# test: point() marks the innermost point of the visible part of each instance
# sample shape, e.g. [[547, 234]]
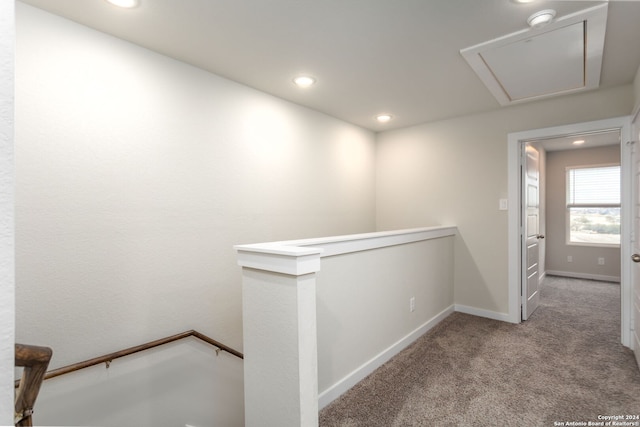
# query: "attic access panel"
[[545, 64], [563, 57]]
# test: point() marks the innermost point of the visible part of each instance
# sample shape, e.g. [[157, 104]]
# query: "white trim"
[[298, 257], [339, 245], [292, 263], [514, 140], [480, 312], [513, 226], [593, 245], [357, 375], [361, 242], [626, 226], [587, 276]]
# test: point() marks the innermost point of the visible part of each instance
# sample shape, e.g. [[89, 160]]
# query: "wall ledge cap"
[[298, 257]]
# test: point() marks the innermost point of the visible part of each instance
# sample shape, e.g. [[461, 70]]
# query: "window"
[[593, 205]]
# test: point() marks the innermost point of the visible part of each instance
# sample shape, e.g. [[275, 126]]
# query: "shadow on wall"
[[180, 383], [471, 288]]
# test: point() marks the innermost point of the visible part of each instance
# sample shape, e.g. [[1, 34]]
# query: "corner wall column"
[[7, 210], [280, 338]]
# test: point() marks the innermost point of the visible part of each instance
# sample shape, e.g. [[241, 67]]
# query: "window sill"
[[595, 245]]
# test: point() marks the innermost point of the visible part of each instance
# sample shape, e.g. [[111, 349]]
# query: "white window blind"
[[593, 186]]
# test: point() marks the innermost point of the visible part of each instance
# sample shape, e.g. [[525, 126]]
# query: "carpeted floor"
[[563, 365]]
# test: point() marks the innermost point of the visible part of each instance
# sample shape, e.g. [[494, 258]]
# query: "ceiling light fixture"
[[128, 4], [304, 81], [578, 142], [384, 118], [542, 18], [523, 1]]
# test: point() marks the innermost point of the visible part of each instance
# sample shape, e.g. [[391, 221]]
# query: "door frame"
[[515, 141], [635, 191]]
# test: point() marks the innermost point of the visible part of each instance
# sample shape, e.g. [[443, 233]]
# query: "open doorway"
[[583, 205], [517, 201], [572, 218]]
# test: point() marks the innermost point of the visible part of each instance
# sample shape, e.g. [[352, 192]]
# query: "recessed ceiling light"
[[541, 18], [578, 142], [124, 3], [384, 118], [304, 81], [522, 1]]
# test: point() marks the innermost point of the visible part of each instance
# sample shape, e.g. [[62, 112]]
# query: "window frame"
[[568, 206]]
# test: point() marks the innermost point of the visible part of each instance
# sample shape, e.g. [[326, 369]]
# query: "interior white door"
[[531, 233], [635, 237]]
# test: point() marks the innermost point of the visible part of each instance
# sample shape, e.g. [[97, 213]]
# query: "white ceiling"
[[591, 140], [369, 56]]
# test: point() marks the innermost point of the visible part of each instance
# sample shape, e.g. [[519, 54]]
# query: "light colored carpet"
[[563, 365]]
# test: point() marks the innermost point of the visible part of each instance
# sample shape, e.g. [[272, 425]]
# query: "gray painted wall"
[[455, 171]]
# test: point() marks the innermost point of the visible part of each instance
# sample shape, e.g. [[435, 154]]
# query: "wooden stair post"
[[35, 361]]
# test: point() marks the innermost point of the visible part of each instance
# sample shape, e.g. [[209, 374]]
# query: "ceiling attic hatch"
[[562, 57]]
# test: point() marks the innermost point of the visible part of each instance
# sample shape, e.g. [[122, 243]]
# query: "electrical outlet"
[[569, 258], [600, 261], [412, 304]]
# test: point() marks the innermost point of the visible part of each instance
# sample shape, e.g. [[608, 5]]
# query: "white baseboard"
[[504, 317], [583, 276], [333, 392]]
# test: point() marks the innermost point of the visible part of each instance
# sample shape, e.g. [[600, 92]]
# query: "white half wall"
[[374, 294], [7, 277], [364, 307], [136, 175]]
